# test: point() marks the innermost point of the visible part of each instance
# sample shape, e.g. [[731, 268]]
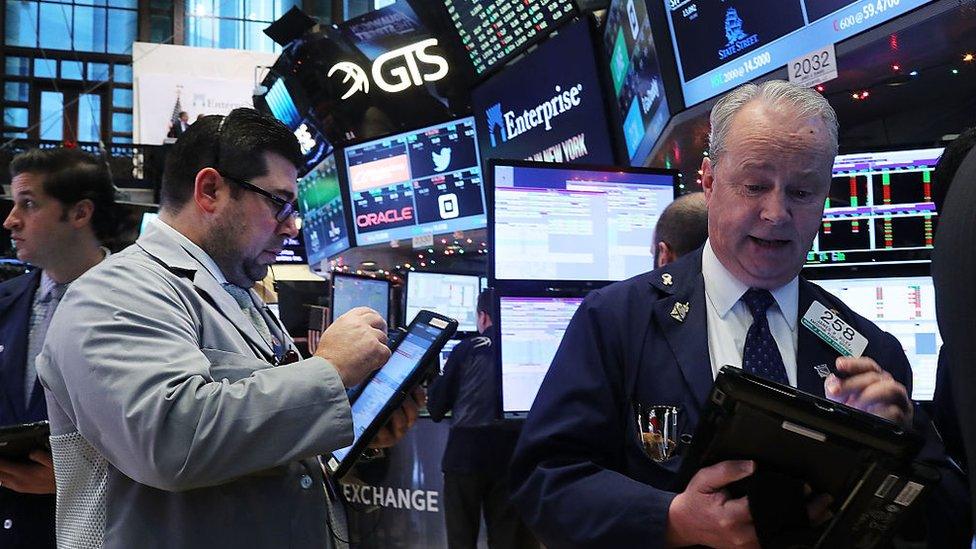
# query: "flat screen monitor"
[[292, 252], [562, 223], [426, 181], [879, 210], [530, 330], [905, 308], [721, 44], [324, 225], [452, 295], [641, 106], [548, 106], [351, 291], [495, 31], [446, 352], [283, 106]]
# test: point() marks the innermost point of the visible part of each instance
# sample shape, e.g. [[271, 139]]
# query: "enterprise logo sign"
[[405, 75], [509, 125], [737, 39]]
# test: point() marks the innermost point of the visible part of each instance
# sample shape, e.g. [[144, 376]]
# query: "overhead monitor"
[[292, 252], [282, 104], [530, 330], [325, 227], [641, 106], [547, 106], [722, 44], [426, 181], [879, 210], [905, 308], [452, 295], [562, 223], [494, 31], [350, 291]]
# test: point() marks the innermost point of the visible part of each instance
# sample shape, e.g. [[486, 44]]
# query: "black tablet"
[[864, 462], [383, 393], [16, 441]]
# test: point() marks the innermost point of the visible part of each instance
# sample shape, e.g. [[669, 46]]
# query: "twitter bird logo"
[[441, 159]]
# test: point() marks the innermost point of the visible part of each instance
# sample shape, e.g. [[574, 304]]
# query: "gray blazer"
[[170, 428]]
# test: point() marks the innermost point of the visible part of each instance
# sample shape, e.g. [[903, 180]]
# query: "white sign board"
[[813, 68]]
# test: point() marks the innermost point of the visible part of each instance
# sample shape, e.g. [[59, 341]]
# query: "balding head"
[[682, 228]]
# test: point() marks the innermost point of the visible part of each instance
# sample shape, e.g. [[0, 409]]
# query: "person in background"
[[580, 474], [953, 272], [181, 414], [480, 444], [179, 127], [682, 228], [63, 208]]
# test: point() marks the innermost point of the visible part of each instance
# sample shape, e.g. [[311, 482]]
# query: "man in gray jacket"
[[175, 420]]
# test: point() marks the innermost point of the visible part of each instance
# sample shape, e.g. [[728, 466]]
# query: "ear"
[[80, 214], [209, 189], [707, 178], [664, 254]]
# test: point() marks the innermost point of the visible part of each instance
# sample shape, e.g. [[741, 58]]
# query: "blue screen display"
[[548, 106], [427, 181], [282, 105], [720, 44], [636, 74], [324, 225]]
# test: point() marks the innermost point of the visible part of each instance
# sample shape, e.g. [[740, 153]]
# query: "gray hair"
[[803, 102]]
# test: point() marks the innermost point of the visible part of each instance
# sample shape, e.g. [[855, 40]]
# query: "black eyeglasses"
[[286, 209]]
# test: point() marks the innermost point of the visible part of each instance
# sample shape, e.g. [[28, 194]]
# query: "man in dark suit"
[[179, 127], [580, 474], [63, 207]]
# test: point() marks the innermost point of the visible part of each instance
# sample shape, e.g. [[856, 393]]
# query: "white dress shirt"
[[729, 318]]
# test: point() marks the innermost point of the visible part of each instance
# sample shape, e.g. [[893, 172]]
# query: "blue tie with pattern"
[[760, 355]]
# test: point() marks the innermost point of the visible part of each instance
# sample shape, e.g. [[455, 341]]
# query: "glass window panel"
[[89, 117], [200, 32], [121, 98], [199, 8], [281, 6], [55, 26], [52, 115], [121, 122], [20, 28], [230, 8], [124, 3], [89, 29], [230, 32], [15, 116], [261, 10], [71, 70], [16, 91], [16, 135], [123, 73], [45, 68], [121, 139], [161, 29], [121, 30], [91, 2], [98, 72], [17, 66], [256, 40]]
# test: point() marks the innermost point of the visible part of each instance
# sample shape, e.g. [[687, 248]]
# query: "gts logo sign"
[[404, 66]]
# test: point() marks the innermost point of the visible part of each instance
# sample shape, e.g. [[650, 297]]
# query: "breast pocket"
[[232, 366]]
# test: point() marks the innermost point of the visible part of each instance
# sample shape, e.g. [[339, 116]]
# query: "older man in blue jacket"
[[580, 475]]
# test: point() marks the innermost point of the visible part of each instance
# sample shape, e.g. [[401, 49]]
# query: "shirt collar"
[[195, 251], [724, 290]]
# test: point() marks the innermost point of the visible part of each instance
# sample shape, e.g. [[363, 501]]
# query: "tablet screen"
[[383, 386]]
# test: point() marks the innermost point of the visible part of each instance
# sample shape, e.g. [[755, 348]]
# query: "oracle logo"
[[373, 219]]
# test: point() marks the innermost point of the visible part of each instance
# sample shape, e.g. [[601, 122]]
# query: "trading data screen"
[[494, 31], [575, 224], [454, 296], [879, 210], [720, 44], [324, 225], [641, 105], [904, 307], [426, 181], [349, 292], [531, 329], [446, 352]]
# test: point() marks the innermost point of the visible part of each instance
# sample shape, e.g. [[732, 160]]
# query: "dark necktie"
[[760, 355]]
